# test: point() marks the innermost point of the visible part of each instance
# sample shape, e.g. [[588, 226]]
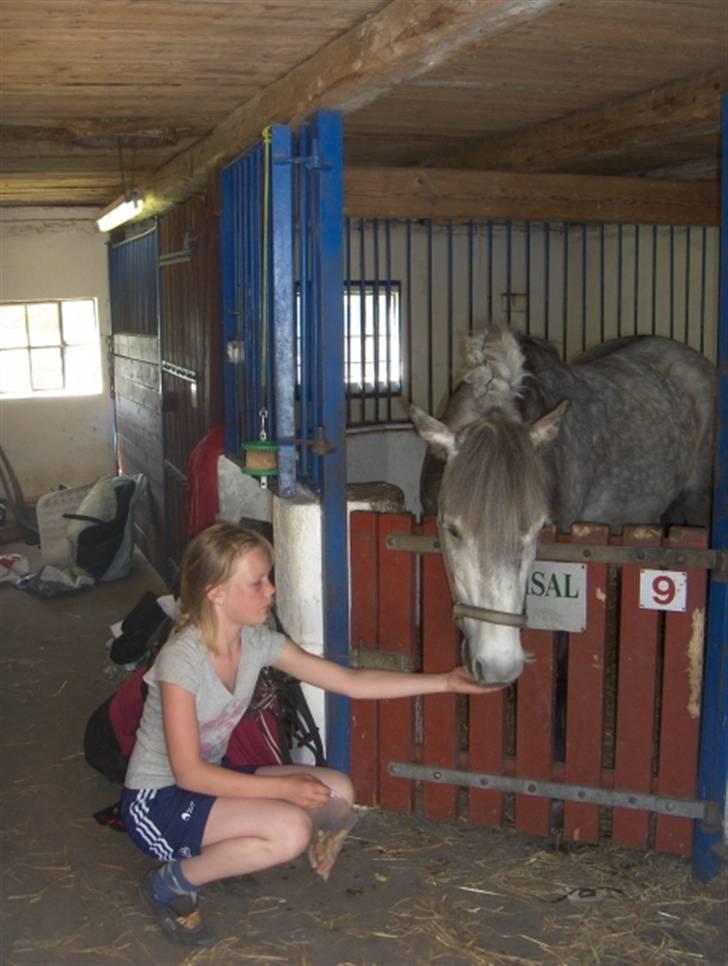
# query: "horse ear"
[[546, 429], [436, 434]]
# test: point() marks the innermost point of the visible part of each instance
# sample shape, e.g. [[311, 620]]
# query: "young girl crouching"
[[204, 821]]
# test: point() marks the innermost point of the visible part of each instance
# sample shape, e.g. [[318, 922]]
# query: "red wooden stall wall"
[[650, 744]]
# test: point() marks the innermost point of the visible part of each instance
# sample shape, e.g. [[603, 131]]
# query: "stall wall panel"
[[650, 658], [191, 352], [575, 285]]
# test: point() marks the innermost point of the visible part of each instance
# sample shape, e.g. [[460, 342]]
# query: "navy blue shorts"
[[168, 823]]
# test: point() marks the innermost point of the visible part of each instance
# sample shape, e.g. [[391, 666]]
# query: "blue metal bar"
[[509, 270], [347, 331], [687, 284], [363, 317], [703, 272], [546, 275], [375, 317], [654, 279], [713, 762], [565, 293], [315, 329], [388, 304], [672, 282], [450, 323], [528, 277], [284, 304], [408, 290], [602, 291], [471, 258], [328, 136], [636, 277], [620, 262], [304, 317], [490, 271], [430, 360], [583, 284]]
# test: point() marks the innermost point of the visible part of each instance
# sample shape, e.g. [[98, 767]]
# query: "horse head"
[[493, 499]]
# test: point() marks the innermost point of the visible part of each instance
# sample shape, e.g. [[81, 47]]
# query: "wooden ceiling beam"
[[462, 195], [674, 112], [405, 39]]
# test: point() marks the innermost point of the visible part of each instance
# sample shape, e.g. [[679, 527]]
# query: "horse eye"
[[452, 530]]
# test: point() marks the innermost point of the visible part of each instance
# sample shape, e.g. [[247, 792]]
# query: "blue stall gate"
[[282, 277]]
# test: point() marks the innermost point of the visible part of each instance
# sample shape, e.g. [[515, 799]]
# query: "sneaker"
[[180, 919]]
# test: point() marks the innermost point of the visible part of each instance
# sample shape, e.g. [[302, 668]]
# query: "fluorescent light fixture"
[[120, 211]]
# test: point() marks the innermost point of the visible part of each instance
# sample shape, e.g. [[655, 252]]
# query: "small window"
[[49, 348], [372, 341], [372, 359]]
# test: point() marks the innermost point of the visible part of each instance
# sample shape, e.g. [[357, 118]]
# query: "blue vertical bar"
[[304, 314], [388, 303], [430, 359], [509, 270], [713, 762], [227, 254], [450, 319], [328, 135], [565, 294], [528, 278], [347, 330], [284, 305]]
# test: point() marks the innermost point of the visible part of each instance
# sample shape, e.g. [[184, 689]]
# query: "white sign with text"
[[556, 596], [663, 590]]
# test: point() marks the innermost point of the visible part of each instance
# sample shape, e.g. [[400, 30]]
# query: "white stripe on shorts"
[[145, 827]]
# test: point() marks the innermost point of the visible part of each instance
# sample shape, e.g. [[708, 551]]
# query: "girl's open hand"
[[459, 681], [306, 791]]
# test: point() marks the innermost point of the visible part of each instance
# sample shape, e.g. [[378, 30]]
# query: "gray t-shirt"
[[184, 660]]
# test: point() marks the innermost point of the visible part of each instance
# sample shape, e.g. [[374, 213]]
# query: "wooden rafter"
[[689, 107], [404, 40], [462, 195]]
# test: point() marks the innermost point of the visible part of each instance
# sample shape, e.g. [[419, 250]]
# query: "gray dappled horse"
[[622, 435]]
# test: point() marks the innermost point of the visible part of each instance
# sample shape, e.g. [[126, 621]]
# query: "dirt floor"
[[403, 891]]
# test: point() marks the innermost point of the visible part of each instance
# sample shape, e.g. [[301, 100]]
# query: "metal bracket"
[[709, 812]]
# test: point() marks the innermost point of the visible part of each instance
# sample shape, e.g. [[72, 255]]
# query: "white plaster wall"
[[391, 454], [56, 253]]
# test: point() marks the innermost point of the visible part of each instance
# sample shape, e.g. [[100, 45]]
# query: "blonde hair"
[[208, 562]]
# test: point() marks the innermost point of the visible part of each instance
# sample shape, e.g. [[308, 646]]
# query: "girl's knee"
[[342, 785], [292, 834]]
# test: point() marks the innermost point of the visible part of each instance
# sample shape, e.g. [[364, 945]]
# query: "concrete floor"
[[404, 891]]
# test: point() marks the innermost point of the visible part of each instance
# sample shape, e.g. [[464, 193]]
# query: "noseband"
[[488, 616], [509, 618]]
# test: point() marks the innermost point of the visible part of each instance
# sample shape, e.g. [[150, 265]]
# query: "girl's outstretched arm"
[[365, 683]]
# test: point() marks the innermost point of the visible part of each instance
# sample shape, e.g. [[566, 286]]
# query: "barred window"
[[49, 348]]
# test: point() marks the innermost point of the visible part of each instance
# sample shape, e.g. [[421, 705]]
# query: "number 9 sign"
[[663, 589]]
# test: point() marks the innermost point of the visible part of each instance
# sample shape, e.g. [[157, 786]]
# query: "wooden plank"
[[636, 695], [486, 753], [363, 544], [401, 42], [396, 632], [535, 724], [440, 639], [142, 347], [585, 694], [690, 105], [681, 699], [463, 195]]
